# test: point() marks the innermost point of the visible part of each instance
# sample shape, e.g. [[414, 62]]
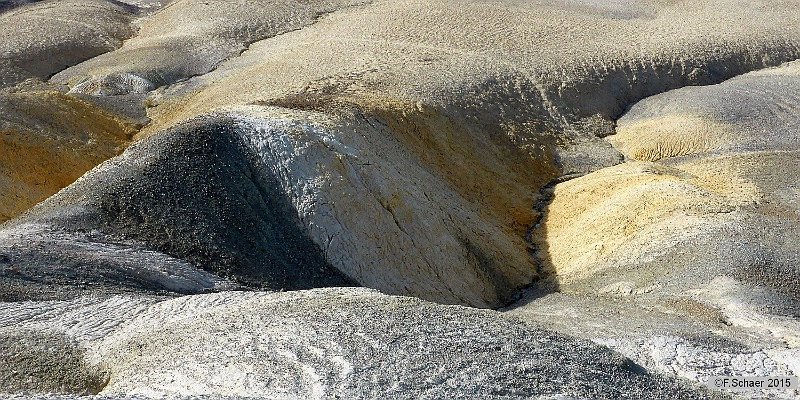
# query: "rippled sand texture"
[[619, 171]]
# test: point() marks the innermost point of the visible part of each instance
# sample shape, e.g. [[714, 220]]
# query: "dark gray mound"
[[190, 196], [6, 5], [35, 362]]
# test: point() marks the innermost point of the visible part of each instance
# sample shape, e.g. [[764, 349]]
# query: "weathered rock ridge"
[[620, 171], [705, 236], [446, 140]]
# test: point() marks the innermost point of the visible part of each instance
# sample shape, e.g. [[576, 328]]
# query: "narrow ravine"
[[678, 246]]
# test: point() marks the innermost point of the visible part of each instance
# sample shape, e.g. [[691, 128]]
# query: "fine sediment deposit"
[[705, 236], [323, 343], [232, 198]]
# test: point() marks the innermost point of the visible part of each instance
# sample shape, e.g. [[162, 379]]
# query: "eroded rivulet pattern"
[[324, 343], [454, 151]]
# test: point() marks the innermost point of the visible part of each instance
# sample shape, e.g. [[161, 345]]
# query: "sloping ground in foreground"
[[324, 343], [705, 237]]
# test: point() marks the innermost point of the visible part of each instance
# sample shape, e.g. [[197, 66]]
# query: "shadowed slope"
[[190, 195]]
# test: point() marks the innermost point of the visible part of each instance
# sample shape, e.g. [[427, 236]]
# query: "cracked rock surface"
[[326, 343], [301, 198], [699, 226]]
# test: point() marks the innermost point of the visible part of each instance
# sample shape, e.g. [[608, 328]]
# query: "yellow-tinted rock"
[[49, 139], [670, 136], [500, 176], [618, 214]]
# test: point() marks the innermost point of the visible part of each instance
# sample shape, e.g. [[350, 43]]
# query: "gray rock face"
[[455, 151], [41, 262], [6, 5], [254, 199], [46, 37], [190, 197], [333, 343]]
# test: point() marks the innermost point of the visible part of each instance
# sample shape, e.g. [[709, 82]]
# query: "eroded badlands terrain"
[[398, 199]]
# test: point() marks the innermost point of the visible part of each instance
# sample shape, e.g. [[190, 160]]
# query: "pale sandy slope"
[[190, 37], [412, 138], [41, 39], [402, 146], [707, 237]]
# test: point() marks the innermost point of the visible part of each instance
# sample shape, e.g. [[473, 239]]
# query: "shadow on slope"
[[190, 194]]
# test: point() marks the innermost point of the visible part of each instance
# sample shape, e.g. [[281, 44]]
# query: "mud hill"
[[202, 179]]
